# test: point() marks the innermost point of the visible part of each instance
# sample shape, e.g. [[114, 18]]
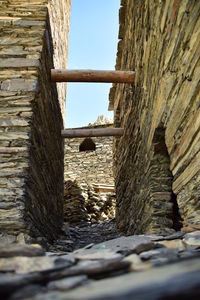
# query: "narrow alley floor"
[[103, 265], [81, 236]]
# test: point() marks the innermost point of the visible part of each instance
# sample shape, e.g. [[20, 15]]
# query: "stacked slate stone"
[[136, 267], [83, 205], [75, 197], [161, 139], [100, 206]]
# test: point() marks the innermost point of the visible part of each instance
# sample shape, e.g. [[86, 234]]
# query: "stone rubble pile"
[[74, 204], [97, 233], [136, 267], [83, 205]]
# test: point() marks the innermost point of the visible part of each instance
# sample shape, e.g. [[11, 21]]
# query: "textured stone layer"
[[83, 169], [90, 166], [160, 40], [31, 149]]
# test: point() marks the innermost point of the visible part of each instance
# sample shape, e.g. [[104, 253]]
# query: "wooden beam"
[[103, 188], [62, 75], [79, 133]]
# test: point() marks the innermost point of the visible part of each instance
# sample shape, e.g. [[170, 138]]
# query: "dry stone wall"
[[82, 204], [59, 13], [89, 166], [156, 162], [31, 148]]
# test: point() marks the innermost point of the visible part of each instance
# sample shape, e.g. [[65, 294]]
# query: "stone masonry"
[[31, 147], [156, 162], [90, 166], [88, 162]]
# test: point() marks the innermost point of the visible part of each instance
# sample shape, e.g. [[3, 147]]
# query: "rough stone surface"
[[193, 238], [59, 12], [156, 162], [134, 267], [12, 250], [83, 169], [83, 205], [31, 148], [90, 166]]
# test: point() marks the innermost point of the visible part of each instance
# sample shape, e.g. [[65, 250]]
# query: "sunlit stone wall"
[[157, 159], [33, 38]]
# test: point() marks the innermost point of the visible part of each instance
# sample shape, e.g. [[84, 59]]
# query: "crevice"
[[162, 188], [177, 220]]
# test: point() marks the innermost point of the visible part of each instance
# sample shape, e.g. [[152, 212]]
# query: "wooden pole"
[[79, 133], [103, 188], [62, 75]]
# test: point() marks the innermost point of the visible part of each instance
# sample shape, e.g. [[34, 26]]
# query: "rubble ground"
[[103, 265]]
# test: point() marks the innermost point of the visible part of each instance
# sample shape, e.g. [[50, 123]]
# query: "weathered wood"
[[103, 188], [62, 75], [72, 133]]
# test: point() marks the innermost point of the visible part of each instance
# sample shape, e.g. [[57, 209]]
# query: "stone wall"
[[88, 162], [83, 204], [31, 148], [89, 166], [59, 13], [156, 162]]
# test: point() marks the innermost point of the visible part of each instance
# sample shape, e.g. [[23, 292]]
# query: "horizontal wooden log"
[[103, 185], [103, 188], [62, 75], [79, 133]]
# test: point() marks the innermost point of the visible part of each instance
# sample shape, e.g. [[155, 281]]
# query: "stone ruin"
[[89, 163], [156, 161], [31, 116]]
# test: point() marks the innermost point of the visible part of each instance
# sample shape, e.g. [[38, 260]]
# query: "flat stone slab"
[[160, 256], [134, 267], [127, 245], [23, 265], [12, 250], [175, 281], [95, 254], [99, 267], [192, 238], [67, 283]]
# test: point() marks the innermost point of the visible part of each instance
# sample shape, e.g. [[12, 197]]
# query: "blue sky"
[[92, 45]]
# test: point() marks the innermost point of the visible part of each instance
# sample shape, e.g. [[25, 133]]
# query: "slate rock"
[[22, 265], [189, 253], [7, 239], [12, 250], [192, 238], [127, 245], [173, 236], [174, 244], [28, 291], [10, 282], [67, 283], [175, 281], [136, 263], [27, 85], [96, 254], [160, 256], [92, 268]]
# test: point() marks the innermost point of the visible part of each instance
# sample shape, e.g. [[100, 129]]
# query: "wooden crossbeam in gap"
[[103, 188], [98, 132], [62, 75]]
